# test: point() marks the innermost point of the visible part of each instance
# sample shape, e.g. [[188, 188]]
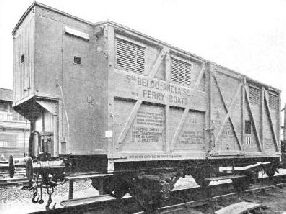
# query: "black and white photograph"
[[143, 106]]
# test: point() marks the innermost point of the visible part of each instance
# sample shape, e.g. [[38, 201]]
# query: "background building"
[[14, 129]]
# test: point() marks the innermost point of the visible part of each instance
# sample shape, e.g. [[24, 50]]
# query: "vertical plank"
[[15, 73], [207, 122], [33, 55], [56, 130], [110, 40], [210, 127], [252, 118], [284, 123], [19, 63], [242, 111], [279, 123], [266, 96], [167, 126], [26, 55], [28, 68], [167, 107], [262, 109]]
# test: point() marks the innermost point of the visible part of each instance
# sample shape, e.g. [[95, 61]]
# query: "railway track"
[[18, 179], [213, 202], [208, 199]]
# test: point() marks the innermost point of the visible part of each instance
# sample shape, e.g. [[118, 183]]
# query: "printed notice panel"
[[149, 125], [193, 129]]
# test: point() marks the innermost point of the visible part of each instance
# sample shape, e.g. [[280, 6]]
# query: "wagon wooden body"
[[104, 89]]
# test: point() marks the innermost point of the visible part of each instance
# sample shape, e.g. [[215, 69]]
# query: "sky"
[[246, 36]]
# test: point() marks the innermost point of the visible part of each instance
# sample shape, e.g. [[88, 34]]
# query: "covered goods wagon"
[[114, 99]]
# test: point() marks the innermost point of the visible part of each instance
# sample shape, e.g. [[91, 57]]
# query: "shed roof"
[[6, 94]]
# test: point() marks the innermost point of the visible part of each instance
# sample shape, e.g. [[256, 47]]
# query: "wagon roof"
[[35, 3], [129, 30]]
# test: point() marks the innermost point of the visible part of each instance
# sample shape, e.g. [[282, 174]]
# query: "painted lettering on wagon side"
[[158, 85], [149, 125], [156, 90], [146, 134], [158, 96], [192, 137], [178, 100], [193, 129], [149, 94], [155, 156]]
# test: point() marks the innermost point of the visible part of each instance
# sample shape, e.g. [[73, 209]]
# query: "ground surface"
[[14, 200], [273, 200]]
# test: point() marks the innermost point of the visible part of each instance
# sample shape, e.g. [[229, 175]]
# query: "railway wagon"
[[112, 101]]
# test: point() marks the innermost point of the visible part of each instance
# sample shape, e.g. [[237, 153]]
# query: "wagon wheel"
[[200, 178], [271, 169], [240, 184], [107, 188], [270, 172], [29, 170], [202, 181], [11, 167], [120, 189], [115, 188], [146, 200]]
